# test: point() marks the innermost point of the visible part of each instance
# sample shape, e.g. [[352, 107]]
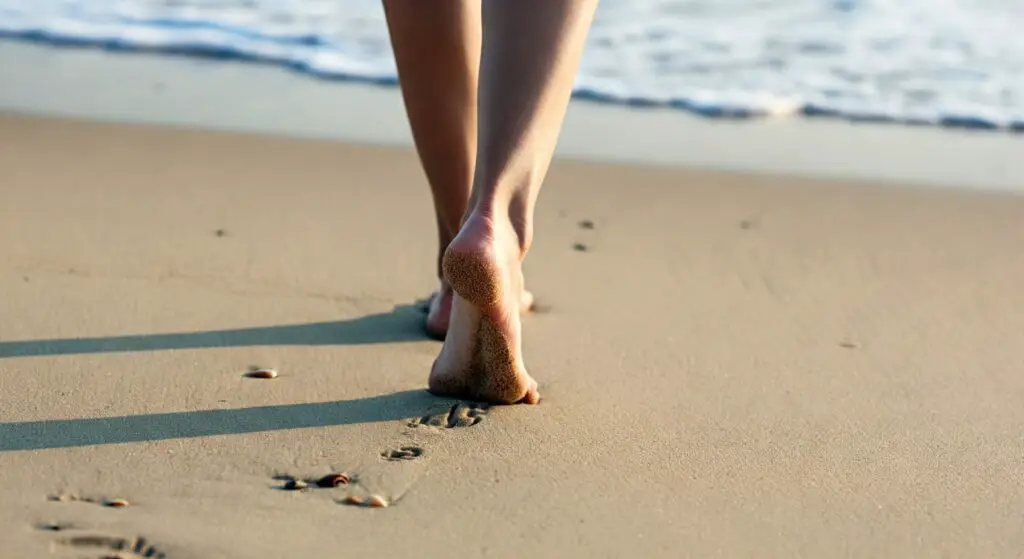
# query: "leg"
[[437, 51], [530, 55]]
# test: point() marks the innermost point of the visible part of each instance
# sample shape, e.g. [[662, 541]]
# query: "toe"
[[525, 302], [532, 394]]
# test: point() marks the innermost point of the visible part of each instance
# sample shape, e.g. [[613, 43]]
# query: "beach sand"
[[735, 366]]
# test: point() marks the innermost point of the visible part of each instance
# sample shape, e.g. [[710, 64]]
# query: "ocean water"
[[934, 62]]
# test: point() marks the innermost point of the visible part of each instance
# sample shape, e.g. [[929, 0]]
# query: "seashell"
[[262, 373], [375, 501], [116, 503], [333, 480]]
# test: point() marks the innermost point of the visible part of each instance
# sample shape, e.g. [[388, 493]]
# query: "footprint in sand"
[[111, 547], [463, 414], [403, 453]]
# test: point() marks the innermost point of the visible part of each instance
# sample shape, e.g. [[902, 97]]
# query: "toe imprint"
[[403, 453], [464, 414]]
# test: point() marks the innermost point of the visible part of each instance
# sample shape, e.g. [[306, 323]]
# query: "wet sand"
[[213, 95], [734, 366]]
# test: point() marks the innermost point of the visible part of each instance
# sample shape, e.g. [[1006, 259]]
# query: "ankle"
[[492, 213], [524, 232], [521, 215]]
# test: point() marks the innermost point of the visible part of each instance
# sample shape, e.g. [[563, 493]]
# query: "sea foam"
[[937, 62]]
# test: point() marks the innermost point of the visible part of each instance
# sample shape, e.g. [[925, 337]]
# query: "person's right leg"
[[437, 52], [531, 51]]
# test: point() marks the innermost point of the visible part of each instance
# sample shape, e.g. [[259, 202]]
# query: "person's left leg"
[[437, 52]]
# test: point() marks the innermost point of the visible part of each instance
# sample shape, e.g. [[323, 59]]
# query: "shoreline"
[[224, 49], [246, 97]]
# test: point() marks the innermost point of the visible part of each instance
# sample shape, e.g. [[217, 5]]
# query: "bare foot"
[[439, 309], [482, 355]]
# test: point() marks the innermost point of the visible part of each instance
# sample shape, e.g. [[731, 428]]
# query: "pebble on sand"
[[262, 373], [115, 503], [295, 484], [375, 501]]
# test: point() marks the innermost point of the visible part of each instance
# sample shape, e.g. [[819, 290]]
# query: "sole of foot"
[[482, 355]]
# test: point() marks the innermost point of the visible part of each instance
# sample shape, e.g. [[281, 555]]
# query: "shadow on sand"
[[65, 433], [403, 324]]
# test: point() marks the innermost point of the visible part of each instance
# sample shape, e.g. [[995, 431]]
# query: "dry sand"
[[737, 366]]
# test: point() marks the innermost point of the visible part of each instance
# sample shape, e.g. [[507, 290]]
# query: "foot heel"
[[474, 276]]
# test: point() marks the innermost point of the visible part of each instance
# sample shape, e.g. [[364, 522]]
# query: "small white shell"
[[375, 501]]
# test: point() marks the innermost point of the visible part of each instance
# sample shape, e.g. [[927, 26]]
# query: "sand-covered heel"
[[474, 275]]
